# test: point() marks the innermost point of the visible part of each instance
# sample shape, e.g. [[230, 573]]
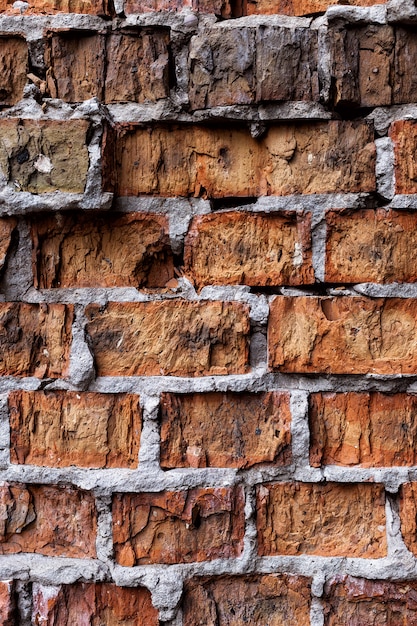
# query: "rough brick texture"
[[214, 162], [404, 137], [105, 250], [277, 64], [88, 603], [371, 246], [225, 430], [297, 7], [178, 527], [326, 520], [278, 599], [14, 67], [7, 603], [119, 67], [172, 338], [256, 250], [71, 428], [360, 602], [39, 156], [91, 7], [49, 520], [343, 335], [35, 340], [366, 429]]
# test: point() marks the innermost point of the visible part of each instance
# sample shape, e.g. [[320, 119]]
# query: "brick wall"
[[208, 313]]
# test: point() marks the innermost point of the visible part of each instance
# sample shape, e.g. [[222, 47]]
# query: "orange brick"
[[225, 429], [299, 7], [91, 7], [7, 230], [178, 527], [343, 335], [217, 162], [7, 604], [330, 519], [35, 339], [88, 603], [218, 7], [362, 602], [251, 249], [137, 66], [278, 599], [76, 65], [44, 155], [366, 429], [57, 428], [371, 246], [408, 515], [404, 136], [14, 67], [101, 250], [177, 338], [49, 520]]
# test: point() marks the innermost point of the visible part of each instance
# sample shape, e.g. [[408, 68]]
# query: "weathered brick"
[[278, 599], [366, 429], [172, 337], [137, 66], [218, 7], [408, 515], [343, 335], [178, 527], [7, 229], [405, 82], [252, 249], [314, 157], [7, 603], [332, 519], [247, 65], [404, 137], [35, 339], [101, 250], [58, 428], [49, 520], [362, 602], [76, 65], [88, 603], [299, 7], [362, 60], [225, 429], [13, 69], [377, 246], [40, 156], [103, 8]]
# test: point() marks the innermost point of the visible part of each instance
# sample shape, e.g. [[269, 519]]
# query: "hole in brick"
[[196, 517], [219, 204], [238, 8]]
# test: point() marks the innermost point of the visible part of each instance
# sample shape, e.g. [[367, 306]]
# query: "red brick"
[[278, 599], [218, 7], [169, 338], [7, 230], [76, 65], [35, 339], [14, 68], [101, 250], [88, 603], [343, 335], [91, 7], [225, 429], [58, 428], [371, 246], [62, 146], [217, 162], [49, 520], [178, 527], [362, 602], [366, 429], [331, 519], [404, 137], [7, 604], [253, 249], [408, 515], [137, 66], [299, 7]]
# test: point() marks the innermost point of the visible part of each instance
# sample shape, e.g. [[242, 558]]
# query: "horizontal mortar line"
[[23, 203], [53, 570]]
